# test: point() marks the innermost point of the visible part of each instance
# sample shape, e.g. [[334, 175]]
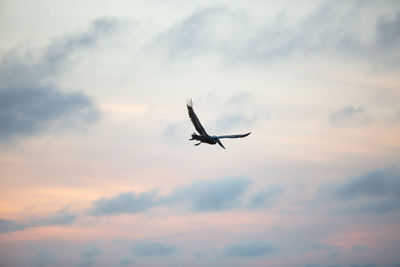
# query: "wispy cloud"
[[31, 101], [89, 253], [61, 217], [57, 52], [193, 35], [151, 249], [200, 196], [130, 203], [212, 195], [43, 259], [377, 183], [328, 29], [397, 116], [320, 247], [126, 262], [377, 191], [350, 115], [11, 226], [252, 249], [266, 198]]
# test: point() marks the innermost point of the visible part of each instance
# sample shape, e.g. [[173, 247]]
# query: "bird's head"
[[216, 139]]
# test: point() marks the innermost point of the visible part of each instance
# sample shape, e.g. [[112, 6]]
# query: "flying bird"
[[203, 137]]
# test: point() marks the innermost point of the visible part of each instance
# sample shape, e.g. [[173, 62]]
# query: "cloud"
[[61, 217], [397, 116], [228, 122], [43, 259], [377, 191], [387, 42], [91, 250], [150, 249], [252, 249], [10, 226], [60, 49], [212, 195], [332, 28], [360, 248], [174, 132], [366, 265], [377, 183], [125, 203], [382, 206], [30, 102], [319, 247], [266, 197], [200, 196], [26, 111], [350, 115], [319, 265], [193, 35], [89, 254], [125, 262]]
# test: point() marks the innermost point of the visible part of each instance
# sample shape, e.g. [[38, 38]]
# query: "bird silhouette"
[[203, 137]]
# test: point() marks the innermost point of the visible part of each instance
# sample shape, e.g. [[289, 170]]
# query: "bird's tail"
[[195, 137]]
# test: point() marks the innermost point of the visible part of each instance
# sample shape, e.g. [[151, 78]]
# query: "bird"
[[203, 137]]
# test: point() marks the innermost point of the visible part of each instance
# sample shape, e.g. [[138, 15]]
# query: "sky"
[[96, 166]]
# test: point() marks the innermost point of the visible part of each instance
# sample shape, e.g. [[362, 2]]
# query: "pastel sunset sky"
[[96, 166]]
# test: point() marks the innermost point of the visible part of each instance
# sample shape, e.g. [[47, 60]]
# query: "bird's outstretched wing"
[[195, 120], [234, 136]]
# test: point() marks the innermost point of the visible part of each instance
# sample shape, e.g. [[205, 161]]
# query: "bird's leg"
[[197, 144]]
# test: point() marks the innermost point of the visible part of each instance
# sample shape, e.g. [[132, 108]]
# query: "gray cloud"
[[7, 226], [382, 206], [252, 249], [192, 35], [377, 183], [320, 265], [319, 247], [332, 28], [43, 259], [28, 111], [151, 249], [212, 195], [375, 192], [60, 49], [174, 132], [125, 203], [265, 198], [366, 265], [397, 116], [228, 122], [360, 248], [30, 102], [89, 254], [200, 196], [387, 42], [60, 217], [125, 262], [350, 115], [91, 250]]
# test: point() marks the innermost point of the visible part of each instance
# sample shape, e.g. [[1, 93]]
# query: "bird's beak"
[[219, 143]]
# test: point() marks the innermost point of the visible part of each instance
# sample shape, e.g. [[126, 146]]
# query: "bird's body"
[[203, 137]]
